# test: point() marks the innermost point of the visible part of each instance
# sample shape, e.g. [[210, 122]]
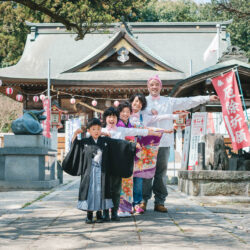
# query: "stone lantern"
[[56, 115]]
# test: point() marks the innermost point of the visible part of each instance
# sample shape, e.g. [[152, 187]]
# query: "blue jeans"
[[137, 190]]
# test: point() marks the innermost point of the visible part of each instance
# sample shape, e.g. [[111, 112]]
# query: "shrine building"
[[115, 62]]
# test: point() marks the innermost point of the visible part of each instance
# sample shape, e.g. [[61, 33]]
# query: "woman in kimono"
[[126, 199], [97, 158], [110, 118]]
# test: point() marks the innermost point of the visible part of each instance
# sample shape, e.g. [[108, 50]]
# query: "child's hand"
[[183, 115], [106, 134], [150, 132], [138, 146], [154, 112], [78, 131], [168, 131]]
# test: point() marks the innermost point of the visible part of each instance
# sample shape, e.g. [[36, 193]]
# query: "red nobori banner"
[[46, 123], [228, 92]]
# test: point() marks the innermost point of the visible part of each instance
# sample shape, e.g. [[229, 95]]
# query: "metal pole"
[[48, 79], [241, 92], [191, 67], [49, 97], [218, 42]]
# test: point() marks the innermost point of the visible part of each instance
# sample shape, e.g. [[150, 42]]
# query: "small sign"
[[198, 129], [55, 119], [185, 152], [71, 126], [56, 115]]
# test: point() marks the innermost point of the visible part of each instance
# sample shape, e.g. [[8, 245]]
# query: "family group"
[[124, 160]]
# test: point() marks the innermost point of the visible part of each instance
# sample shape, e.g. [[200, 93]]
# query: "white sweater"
[[167, 105]]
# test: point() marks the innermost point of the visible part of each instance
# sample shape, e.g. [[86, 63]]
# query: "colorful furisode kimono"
[[126, 198], [145, 160], [145, 163]]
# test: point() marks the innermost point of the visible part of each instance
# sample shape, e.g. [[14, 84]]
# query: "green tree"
[[217, 10], [81, 16], [169, 11], [239, 12], [13, 30], [84, 15]]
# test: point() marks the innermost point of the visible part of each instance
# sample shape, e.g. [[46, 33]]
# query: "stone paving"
[[53, 222]]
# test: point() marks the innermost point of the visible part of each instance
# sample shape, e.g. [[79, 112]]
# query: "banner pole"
[[242, 97], [48, 82], [218, 42]]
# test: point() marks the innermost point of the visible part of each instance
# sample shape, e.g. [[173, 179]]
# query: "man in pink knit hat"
[[164, 105]]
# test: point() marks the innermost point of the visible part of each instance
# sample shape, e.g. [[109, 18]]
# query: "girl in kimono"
[[96, 158], [110, 117], [126, 197]]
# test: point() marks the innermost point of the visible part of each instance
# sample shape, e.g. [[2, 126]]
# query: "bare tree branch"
[[229, 8]]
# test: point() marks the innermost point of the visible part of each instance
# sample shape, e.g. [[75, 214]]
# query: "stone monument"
[[27, 160], [216, 177], [29, 123]]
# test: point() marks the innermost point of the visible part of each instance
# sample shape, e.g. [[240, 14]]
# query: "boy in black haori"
[[95, 159]]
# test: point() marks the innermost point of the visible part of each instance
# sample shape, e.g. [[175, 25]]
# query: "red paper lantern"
[[94, 103], [19, 97], [72, 100], [42, 97], [35, 98], [9, 91], [116, 103]]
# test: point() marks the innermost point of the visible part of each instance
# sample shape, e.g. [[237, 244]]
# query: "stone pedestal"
[[27, 162], [211, 183]]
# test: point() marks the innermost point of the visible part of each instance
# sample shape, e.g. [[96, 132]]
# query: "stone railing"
[[211, 183]]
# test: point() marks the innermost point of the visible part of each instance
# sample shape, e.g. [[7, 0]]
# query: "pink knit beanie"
[[156, 78]]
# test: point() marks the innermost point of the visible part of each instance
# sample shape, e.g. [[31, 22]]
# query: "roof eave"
[[138, 24], [193, 80]]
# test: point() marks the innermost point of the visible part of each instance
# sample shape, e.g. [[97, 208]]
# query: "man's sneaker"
[[138, 209], [143, 206], [161, 208], [124, 214]]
